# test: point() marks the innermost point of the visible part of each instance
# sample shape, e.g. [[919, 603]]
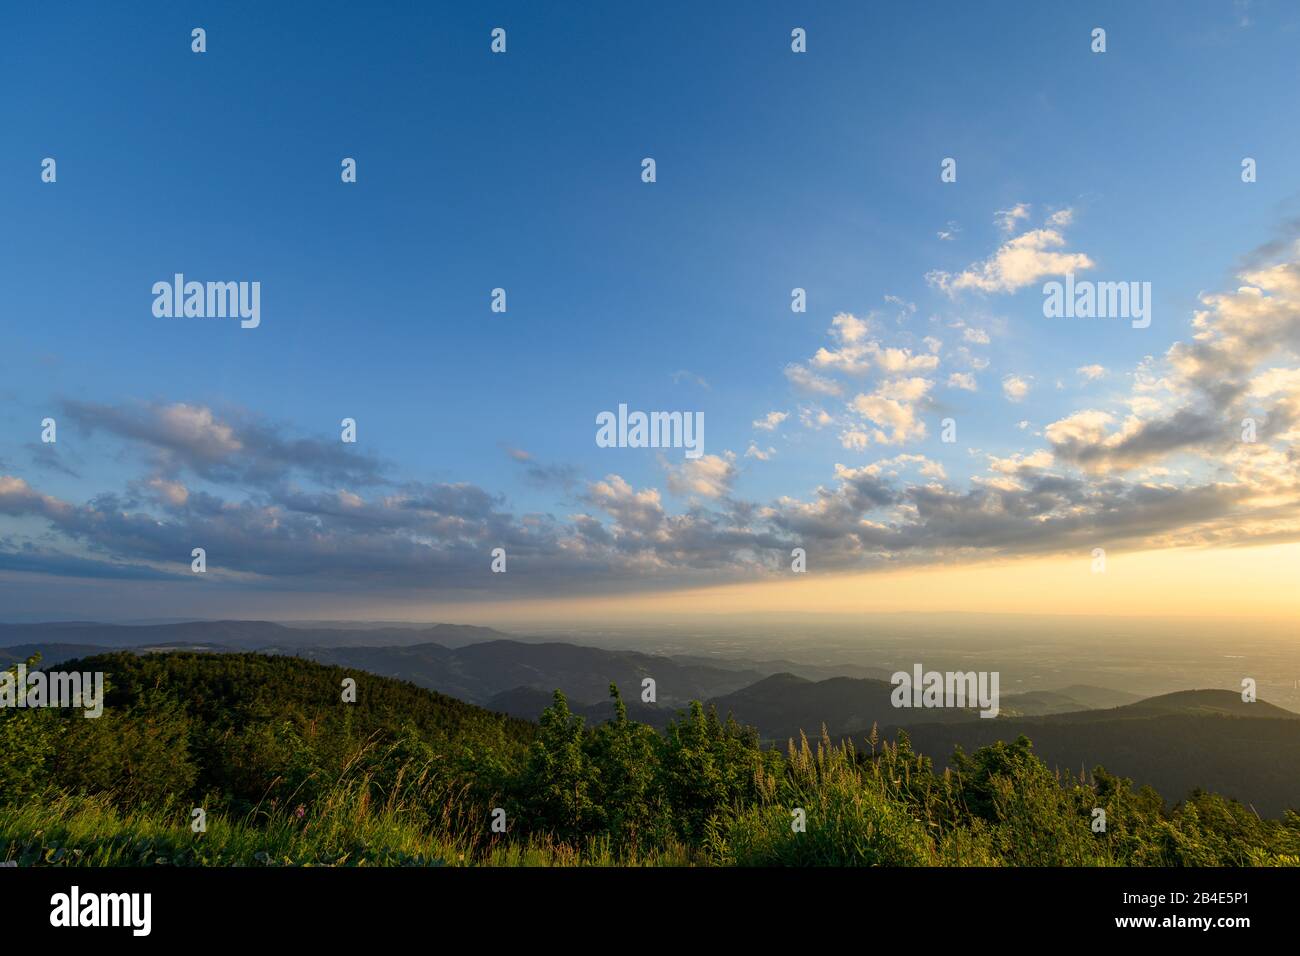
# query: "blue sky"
[[774, 170]]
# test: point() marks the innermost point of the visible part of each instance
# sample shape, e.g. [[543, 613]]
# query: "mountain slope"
[[1224, 703], [470, 663], [1254, 759], [236, 689], [478, 672], [782, 705], [1175, 742], [1063, 701]]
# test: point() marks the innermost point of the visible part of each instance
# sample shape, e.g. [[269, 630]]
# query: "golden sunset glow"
[[1257, 583]]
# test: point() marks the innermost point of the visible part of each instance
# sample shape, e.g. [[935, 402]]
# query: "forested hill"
[[243, 729], [1176, 743], [220, 691]]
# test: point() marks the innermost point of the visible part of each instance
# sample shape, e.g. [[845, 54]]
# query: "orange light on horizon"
[[1257, 583]]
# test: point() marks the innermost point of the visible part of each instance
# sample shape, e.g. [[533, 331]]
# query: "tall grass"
[[882, 807], [828, 810], [347, 828]]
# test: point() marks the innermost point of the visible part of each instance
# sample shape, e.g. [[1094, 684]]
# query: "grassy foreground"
[[287, 774]]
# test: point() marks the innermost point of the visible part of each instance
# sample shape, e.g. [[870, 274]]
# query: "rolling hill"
[[479, 672], [782, 705], [1176, 743]]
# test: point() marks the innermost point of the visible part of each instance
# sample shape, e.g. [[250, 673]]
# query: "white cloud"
[[860, 354], [639, 511], [1019, 262], [1193, 403], [1006, 219], [1083, 428], [967, 357], [1061, 218], [928, 467], [18, 497], [1091, 372], [710, 476], [810, 416], [849, 328], [809, 381], [855, 439], [891, 408], [197, 426], [172, 492], [1015, 463], [1015, 388], [770, 421]]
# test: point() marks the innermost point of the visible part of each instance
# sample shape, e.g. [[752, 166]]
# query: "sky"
[[774, 170]]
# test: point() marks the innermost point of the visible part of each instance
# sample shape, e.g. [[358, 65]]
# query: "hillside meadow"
[[286, 773]]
